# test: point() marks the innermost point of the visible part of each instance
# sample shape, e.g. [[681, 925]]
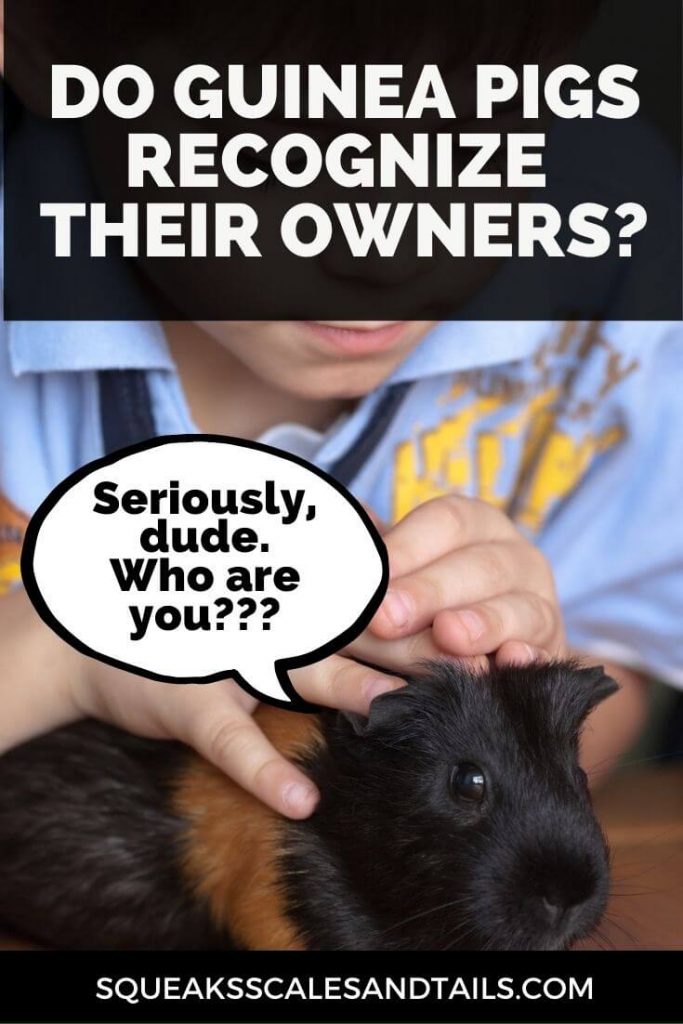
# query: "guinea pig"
[[455, 816]]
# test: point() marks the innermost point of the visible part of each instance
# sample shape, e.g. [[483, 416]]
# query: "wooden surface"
[[642, 812]]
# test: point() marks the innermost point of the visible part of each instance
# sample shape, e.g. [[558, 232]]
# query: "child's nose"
[[373, 270]]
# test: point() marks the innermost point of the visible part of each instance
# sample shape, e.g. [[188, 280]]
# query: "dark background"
[[598, 160]]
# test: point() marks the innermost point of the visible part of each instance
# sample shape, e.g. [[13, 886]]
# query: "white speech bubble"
[[304, 573]]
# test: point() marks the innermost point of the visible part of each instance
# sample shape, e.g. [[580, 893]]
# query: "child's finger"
[[339, 682], [440, 526], [459, 579], [514, 652], [483, 628], [403, 655], [230, 739]]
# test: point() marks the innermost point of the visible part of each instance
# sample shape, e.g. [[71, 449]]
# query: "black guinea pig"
[[455, 817]]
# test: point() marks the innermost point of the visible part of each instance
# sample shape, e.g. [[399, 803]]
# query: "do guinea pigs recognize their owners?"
[[455, 817]]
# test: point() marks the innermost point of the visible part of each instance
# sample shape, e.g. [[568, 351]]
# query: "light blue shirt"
[[575, 432]]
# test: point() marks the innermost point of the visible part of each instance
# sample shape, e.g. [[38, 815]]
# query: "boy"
[[553, 430]]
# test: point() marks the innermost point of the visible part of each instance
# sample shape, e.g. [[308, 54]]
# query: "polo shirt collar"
[[452, 346], [458, 345], [49, 346]]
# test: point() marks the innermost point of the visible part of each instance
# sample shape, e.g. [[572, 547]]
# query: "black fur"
[[89, 848], [391, 861]]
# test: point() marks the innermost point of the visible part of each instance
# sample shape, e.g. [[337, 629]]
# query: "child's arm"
[[35, 672]]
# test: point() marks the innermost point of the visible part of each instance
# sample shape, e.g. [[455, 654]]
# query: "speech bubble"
[[194, 558]]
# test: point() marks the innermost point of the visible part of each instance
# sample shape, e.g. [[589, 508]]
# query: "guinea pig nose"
[[561, 911], [553, 909]]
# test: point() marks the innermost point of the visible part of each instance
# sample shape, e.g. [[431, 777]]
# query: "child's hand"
[[45, 684], [217, 719], [462, 567]]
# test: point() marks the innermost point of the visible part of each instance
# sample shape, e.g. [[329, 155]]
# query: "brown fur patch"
[[233, 841]]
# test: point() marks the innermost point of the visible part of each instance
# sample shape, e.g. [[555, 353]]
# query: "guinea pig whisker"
[[597, 937], [635, 923], [611, 918], [650, 759], [426, 913], [623, 765], [459, 936], [619, 892], [607, 939]]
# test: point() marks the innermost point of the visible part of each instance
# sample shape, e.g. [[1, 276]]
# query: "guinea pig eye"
[[468, 782]]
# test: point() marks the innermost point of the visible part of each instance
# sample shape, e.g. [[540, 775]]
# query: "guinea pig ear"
[[358, 723], [385, 711], [595, 686]]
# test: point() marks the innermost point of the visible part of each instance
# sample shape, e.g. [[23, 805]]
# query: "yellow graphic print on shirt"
[[12, 526], [521, 444]]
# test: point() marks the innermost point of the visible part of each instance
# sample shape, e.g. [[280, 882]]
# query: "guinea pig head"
[[455, 817]]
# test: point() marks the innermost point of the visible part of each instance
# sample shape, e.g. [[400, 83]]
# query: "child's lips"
[[352, 339]]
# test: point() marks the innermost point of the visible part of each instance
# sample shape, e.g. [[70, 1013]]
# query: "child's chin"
[[344, 383]]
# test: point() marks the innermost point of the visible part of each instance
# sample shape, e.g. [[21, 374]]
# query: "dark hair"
[[347, 30]]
